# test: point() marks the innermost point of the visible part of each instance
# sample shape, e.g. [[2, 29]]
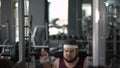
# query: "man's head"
[[70, 50]]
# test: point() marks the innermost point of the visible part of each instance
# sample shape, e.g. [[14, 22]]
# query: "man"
[[70, 57]]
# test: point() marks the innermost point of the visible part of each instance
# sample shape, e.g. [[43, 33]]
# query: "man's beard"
[[72, 60]]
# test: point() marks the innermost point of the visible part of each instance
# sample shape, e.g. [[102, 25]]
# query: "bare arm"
[[86, 63], [44, 60], [47, 65], [56, 63]]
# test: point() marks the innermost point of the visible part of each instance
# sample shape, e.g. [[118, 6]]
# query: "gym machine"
[[113, 31], [105, 36]]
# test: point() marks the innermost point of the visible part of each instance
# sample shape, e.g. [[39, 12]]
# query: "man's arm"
[[47, 65], [44, 60], [56, 63], [87, 63]]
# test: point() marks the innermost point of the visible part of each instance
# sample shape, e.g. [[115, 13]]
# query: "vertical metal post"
[[0, 12], [72, 17], [95, 33], [21, 47], [98, 33], [78, 16]]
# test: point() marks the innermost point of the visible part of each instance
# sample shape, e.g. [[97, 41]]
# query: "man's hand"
[[44, 57], [45, 60]]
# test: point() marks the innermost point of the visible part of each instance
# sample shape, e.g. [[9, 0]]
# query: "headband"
[[70, 46]]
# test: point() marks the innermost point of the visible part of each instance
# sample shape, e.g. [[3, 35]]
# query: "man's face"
[[70, 54]]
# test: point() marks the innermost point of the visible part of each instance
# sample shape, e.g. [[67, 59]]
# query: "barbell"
[[35, 51]]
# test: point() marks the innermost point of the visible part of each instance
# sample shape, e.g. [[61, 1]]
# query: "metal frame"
[[98, 33], [21, 47]]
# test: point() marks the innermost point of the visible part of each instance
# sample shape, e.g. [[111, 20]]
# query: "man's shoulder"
[[57, 60], [56, 63]]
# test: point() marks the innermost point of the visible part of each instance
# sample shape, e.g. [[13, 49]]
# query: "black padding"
[[14, 53], [81, 54]]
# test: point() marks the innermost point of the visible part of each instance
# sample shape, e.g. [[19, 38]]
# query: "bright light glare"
[[53, 31], [0, 3], [106, 4], [16, 4], [58, 9], [97, 16]]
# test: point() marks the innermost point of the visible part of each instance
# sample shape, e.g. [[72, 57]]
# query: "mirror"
[[60, 14]]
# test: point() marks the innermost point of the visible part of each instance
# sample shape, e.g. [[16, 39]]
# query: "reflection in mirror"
[[86, 20], [58, 14], [112, 33]]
